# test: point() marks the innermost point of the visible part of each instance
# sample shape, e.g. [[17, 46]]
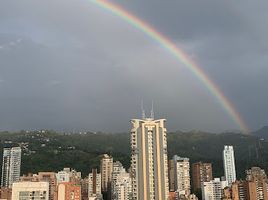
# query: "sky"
[[69, 65]]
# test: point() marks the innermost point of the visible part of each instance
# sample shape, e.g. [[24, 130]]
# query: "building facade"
[[123, 187], [201, 172], [69, 191], [11, 166], [213, 190], [106, 168], [68, 175], [94, 185], [243, 189], [171, 176], [229, 164], [6, 193], [181, 167], [121, 183], [258, 176], [117, 170], [149, 167], [84, 188], [49, 177], [63, 176], [30, 190]]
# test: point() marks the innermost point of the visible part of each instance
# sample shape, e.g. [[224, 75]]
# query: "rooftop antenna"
[[142, 110], [152, 110]]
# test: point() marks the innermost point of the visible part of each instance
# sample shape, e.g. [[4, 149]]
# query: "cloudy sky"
[[70, 65]]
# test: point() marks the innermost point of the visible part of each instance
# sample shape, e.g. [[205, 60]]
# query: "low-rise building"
[[213, 190], [5, 193], [30, 190], [69, 191], [68, 175]]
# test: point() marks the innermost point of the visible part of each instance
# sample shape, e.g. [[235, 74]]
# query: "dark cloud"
[[70, 65]]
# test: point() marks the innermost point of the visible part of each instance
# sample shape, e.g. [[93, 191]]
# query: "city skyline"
[[150, 176], [149, 161], [133, 100]]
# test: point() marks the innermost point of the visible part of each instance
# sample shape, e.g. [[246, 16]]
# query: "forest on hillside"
[[52, 151]]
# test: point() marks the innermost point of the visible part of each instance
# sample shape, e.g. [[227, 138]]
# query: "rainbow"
[[178, 54]]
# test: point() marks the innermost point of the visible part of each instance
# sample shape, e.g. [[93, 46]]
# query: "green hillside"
[[51, 151]]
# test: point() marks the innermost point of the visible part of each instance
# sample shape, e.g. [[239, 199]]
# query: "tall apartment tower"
[[258, 176], [106, 168], [149, 167], [201, 172], [229, 164], [171, 175], [94, 185], [121, 183], [49, 177], [242, 190], [181, 173], [11, 166], [118, 169]]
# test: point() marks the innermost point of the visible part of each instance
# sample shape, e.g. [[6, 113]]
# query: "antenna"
[[152, 110], [142, 110]]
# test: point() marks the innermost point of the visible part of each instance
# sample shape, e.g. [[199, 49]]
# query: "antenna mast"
[[142, 110], [152, 110]]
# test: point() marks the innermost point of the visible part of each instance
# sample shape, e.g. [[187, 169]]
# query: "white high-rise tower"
[[149, 167], [229, 164], [11, 166]]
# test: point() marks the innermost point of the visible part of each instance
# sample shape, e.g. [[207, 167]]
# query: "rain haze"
[[71, 65]]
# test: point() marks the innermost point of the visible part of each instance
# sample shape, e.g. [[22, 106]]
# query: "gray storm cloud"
[[69, 65]]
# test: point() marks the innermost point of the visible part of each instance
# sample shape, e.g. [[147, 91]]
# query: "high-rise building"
[[69, 191], [123, 187], [213, 190], [181, 172], [11, 166], [106, 168], [49, 177], [149, 163], [229, 164], [30, 190], [201, 172], [171, 176], [121, 183], [94, 185], [241, 190], [258, 176], [84, 188], [117, 170]]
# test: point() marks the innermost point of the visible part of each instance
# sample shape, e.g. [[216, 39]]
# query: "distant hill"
[[51, 151], [262, 133]]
